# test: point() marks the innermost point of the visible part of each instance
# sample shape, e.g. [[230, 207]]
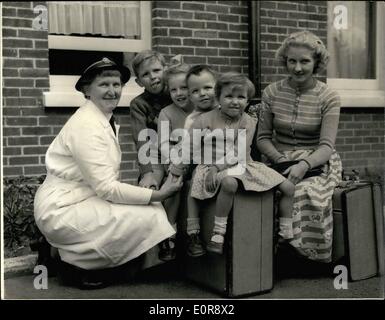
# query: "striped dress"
[[303, 125]]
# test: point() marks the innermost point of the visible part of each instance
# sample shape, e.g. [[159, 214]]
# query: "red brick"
[[287, 23], [18, 121], [218, 43], [205, 16], [8, 33], [9, 12], [26, 13], [41, 63], [23, 160], [12, 171], [205, 34], [36, 131], [22, 141], [10, 73], [17, 23], [194, 60], [165, 23], [206, 52], [32, 34], [286, 6], [41, 44], [11, 151], [168, 41], [182, 50], [53, 120], [180, 33], [229, 52], [17, 102], [32, 111], [17, 63], [180, 15], [10, 111], [193, 6], [7, 92], [239, 10], [196, 42], [230, 35], [229, 18], [160, 13], [33, 170], [35, 53], [34, 73], [46, 140], [167, 4], [217, 8], [218, 60], [17, 4], [239, 27], [42, 83], [239, 44], [10, 82], [193, 24], [217, 26]]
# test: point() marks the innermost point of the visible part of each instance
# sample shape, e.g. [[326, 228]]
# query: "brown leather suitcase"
[[246, 267], [358, 229]]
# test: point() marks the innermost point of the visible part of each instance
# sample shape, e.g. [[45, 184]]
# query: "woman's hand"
[[148, 181], [296, 172], [211, 179], [169, 187]]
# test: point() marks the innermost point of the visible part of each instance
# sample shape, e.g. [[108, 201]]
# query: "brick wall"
[[29, 127], [212, 32], [204, 32]]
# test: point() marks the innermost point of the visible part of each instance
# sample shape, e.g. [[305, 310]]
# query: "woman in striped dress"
[[299, 121]]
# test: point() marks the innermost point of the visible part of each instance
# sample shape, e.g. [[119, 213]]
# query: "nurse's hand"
[[169, 187], [148, 181]]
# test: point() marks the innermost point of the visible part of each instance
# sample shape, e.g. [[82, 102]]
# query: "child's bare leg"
[[286, 209], [171, 205], [193, 221], [224, 204]]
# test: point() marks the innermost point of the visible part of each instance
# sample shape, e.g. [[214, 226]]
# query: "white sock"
[[193, 225], [286, 228]]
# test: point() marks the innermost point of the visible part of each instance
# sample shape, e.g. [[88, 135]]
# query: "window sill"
[[362, 98]]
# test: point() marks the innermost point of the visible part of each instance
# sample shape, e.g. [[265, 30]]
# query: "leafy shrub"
[[19, 223]]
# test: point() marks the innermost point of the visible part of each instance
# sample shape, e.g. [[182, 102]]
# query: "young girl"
[[171, 118], [233, 91]]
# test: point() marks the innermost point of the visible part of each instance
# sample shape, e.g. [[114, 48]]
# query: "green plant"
[[19, 222]]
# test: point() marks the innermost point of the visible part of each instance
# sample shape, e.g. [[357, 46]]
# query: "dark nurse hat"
[[97, 67]]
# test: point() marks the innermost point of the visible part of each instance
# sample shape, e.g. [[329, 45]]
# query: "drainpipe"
[[254, 47]]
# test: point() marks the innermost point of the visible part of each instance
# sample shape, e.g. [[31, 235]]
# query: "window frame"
[[62, 91], [366, 92]]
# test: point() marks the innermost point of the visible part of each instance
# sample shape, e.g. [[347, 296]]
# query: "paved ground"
[[162, 284]]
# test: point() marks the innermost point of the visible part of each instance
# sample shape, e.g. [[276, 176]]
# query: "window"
[[355, 42], [81, 32]]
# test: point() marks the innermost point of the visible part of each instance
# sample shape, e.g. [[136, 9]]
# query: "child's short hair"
[[145, 55], [176, 69], [198, 69], [235, 79]]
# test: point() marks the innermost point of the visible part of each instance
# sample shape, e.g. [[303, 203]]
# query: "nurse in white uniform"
[[82, 208]]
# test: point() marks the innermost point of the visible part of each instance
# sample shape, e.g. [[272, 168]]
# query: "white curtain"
[[350, 54], [108, 18]]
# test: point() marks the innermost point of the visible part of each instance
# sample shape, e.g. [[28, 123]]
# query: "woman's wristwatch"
[[307, 162]]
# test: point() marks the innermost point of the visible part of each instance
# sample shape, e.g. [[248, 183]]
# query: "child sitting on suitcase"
[[221, 178], [201, 81], [170, 120], [149, 67]]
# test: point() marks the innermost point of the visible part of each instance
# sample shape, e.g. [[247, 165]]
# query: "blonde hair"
[[234, 79], [145, 55], [176, 69], [308, 40]]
